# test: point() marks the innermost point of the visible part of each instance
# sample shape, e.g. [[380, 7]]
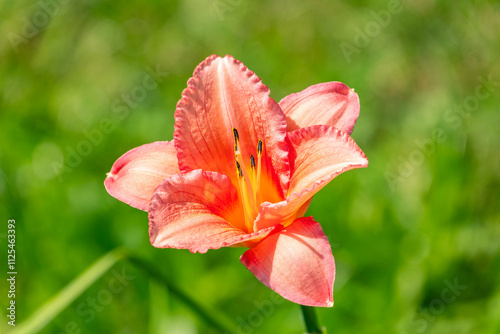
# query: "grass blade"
[[41, 317]]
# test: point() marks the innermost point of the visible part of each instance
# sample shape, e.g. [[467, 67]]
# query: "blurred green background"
[[416, 236]]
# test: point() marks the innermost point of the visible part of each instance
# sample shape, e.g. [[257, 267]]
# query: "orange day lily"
[[242, 170]]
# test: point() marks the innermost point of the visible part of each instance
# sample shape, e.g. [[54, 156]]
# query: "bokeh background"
[[416, 236]]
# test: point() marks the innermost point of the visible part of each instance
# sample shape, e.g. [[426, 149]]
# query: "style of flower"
[[241, 170]]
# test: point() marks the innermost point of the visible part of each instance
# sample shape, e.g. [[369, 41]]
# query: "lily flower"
[[241, 170]]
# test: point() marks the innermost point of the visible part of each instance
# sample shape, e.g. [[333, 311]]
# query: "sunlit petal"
[[136, 174], [317, 154], [296, 262], [224, 94], [329, 103], [197, 211]]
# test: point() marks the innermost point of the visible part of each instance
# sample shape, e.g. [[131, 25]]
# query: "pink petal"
[[197, 211], [296, 262], [224, 94], [136, 174], [329, 103], [317, 155]]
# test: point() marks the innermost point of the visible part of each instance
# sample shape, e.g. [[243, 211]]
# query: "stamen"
[[244, 194], [238, 169], [242, 165], [259, 169], [248, 186], [254, 177], [236, 140], [244, 183]]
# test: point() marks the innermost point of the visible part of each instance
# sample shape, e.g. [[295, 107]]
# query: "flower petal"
[[296, 262], [136, 174], [317, 154], [197, 211], [329, 103], [224, 94]]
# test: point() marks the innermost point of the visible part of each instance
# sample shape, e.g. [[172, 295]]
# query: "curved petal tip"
[[296, 262]]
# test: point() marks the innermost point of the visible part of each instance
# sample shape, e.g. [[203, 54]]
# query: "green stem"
[[311, 320], [203, 312]]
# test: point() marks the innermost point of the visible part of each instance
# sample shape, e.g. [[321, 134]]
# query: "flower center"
[[248, 183]]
